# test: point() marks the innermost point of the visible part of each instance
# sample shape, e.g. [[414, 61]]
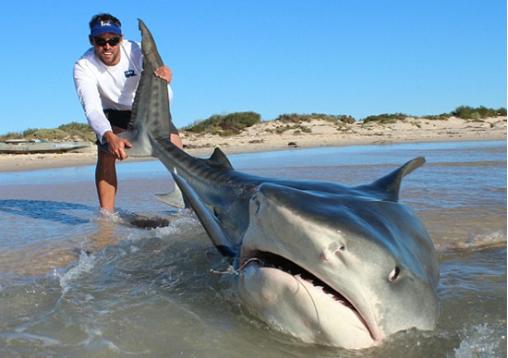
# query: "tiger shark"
[[326, 263]]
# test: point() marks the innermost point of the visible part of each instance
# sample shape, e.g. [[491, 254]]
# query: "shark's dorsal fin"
[[389, 185], [219, 159]]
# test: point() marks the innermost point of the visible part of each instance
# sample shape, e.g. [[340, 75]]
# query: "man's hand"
[[117, 145], [165, 73]]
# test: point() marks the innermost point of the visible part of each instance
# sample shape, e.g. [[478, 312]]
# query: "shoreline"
[[269, 136]]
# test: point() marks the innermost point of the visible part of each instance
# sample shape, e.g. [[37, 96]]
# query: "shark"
[[329, 264]]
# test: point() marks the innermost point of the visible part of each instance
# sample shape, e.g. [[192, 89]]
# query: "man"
[[106, 78]]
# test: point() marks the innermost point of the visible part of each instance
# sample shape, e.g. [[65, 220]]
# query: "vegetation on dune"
[[81, 130], [234, 123], [435, 117], [225, 125], [297, 128], [385, 118], [299, 118], [70, 131], [466, 112]]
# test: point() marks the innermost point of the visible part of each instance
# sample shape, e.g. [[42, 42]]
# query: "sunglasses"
[[111, 42]]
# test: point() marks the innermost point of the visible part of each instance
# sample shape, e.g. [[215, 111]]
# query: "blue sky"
[[272, 57]]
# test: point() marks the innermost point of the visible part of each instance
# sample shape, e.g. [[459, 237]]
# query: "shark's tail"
[[150, 111]]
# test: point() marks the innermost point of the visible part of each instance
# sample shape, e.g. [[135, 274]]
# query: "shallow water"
[[74, 284]]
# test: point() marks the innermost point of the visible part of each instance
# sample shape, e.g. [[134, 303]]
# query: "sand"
[[274, 135]]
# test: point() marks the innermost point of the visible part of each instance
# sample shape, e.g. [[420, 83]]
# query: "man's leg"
[[105, 180]]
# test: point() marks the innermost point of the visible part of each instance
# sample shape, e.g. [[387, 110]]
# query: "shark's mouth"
[[271, 260]]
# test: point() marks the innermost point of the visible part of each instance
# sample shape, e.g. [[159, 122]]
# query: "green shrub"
[[225, 125], [282, 129], [81, 130], [11, 135], [442, 116], [386, 118], [47, 134], [476, 113], [305, 129], [298, 129], [72, 130], [299, 118]]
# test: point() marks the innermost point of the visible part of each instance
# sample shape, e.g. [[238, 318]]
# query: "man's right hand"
[[117, 145]]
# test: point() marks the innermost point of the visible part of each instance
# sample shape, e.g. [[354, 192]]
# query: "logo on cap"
[[103, 26]]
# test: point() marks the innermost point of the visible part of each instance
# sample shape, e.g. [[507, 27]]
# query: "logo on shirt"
[[129, 73]]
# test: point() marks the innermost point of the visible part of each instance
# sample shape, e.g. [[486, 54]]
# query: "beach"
[[277, 135], [75, 283]]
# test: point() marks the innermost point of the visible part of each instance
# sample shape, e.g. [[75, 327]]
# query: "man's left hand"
[[165, 73]]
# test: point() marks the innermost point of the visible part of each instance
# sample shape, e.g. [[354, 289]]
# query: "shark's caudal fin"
[[150, 111], [389, 186]]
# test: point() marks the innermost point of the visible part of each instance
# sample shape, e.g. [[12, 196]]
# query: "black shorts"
[[121, 119], [117, 118]]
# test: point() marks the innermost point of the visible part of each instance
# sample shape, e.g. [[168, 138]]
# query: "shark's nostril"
[[394, 275], [258, 206]]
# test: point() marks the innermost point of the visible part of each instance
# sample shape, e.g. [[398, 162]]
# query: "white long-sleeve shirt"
[[102, 87]]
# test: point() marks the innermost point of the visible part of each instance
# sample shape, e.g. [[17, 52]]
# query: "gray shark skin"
[[326, 263]]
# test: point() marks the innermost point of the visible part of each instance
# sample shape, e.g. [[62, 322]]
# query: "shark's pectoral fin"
[[174, 198], [210, 223], [389, 185]]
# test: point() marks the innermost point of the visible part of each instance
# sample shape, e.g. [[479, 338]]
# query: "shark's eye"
[[394, 275]]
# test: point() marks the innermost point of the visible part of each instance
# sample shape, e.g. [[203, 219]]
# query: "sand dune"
[[275, 135]]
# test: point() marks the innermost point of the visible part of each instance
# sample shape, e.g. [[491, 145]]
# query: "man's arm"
[[88, 93]]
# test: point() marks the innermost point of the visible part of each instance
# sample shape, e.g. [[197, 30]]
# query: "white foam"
[[480, 341], [85, 264], [45, 341], [96, 340], [107, 215], [480, 241], [179, 225]]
